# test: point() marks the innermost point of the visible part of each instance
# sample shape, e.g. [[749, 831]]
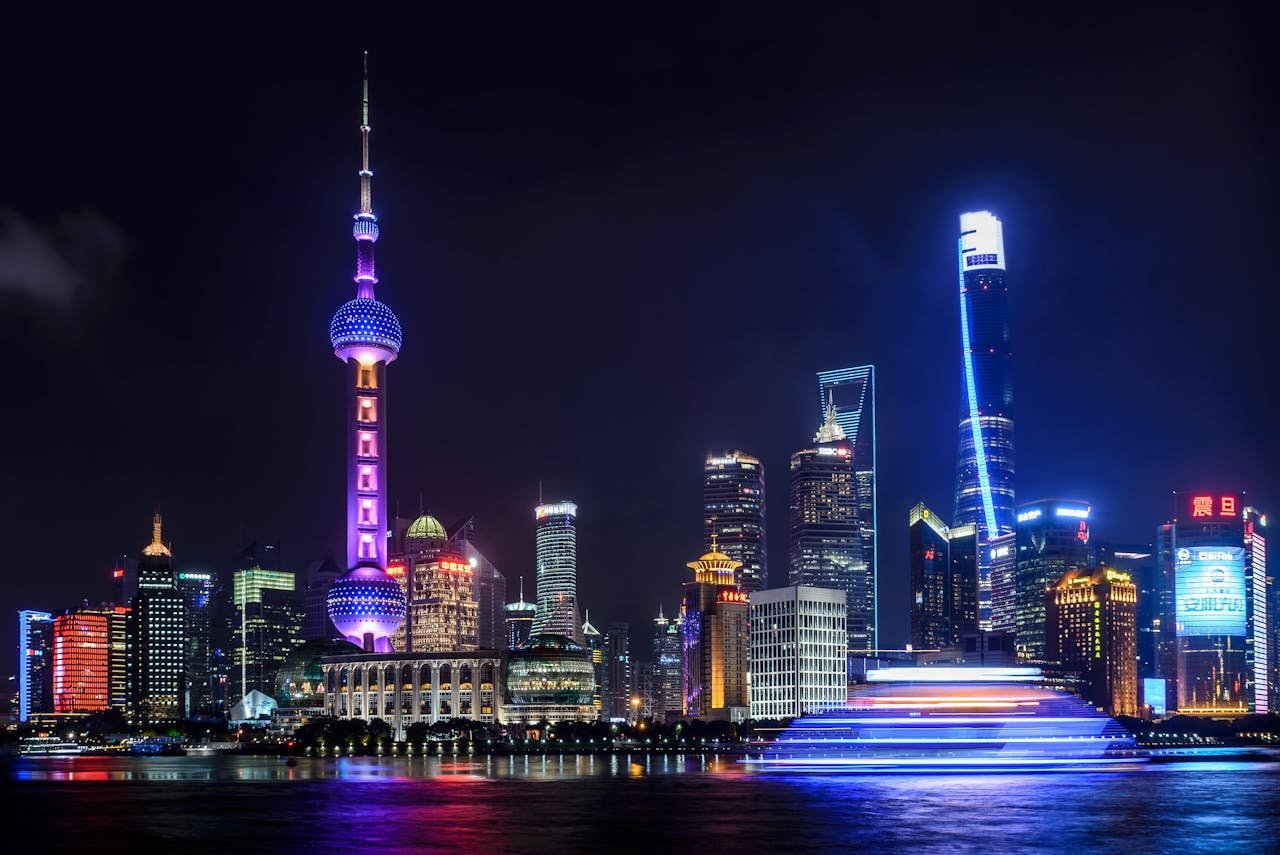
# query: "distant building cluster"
[[415, 627]]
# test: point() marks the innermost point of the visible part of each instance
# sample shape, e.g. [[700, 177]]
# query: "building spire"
[[365, 229], [156, 547]]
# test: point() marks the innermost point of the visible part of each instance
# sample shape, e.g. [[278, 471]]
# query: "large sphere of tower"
[[367, 330], [365, 605]]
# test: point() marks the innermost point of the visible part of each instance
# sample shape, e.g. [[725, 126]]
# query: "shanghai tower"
[[365, 604], [984, 476]]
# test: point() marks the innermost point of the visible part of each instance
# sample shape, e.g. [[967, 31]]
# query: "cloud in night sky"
[[55, 264]]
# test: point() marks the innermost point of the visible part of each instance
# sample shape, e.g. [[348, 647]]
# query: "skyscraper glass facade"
[[81, 662], [929, 541], [35, 663], [733, 510], [852, 392], [984, 474], [1053, 537], [556, 553]]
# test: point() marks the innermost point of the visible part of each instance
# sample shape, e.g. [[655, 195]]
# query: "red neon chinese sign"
[[1210, 506], [733, 597]]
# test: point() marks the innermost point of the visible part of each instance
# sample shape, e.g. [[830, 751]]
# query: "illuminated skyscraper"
[[199, 589], [826, 542], [593, 641], [157, 637], [1091, 626], [668, 667], [929, 539], [1053, 537], [619, 672], [852, 391], [35, 663], [1261, 620], [714, 619], [984, 475], [733, 511], [488, 587], [82, 661], [267, 626], [1206, 632], [556, 553], [365, 604], [798, 656]]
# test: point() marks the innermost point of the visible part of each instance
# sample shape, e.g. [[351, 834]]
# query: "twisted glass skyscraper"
[[984, 476]]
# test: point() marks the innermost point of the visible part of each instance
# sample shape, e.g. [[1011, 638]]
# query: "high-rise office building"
[[619, 672], [593, 642], [519, 620], [488, 587], [35, 663], [1002, 561], [714, 618], [1091, 627], [646, 691], [985, 471], [118, 627], [82, 661], [365, 604], [733, 511], [1261, 620], [199, 589], [963, 550], [315, 617], [929, 539], [852, 391], [798, 654], [157, 637], [1205, 629], [668, 667], [826, 541], [1138, 560], [1053, 537], [556, 552], [442, 613], [266, 629]]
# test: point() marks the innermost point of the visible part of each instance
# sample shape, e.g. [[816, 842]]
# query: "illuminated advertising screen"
[[1153, 694], [1209, 584]]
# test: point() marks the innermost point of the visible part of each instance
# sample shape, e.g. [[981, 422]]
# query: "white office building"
[[799, 648]]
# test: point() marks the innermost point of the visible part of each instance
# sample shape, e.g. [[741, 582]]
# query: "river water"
[[658, 804]]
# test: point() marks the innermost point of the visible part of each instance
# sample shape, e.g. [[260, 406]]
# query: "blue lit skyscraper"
[[35, 663], [984, 473], [984, 477], [852, 392]]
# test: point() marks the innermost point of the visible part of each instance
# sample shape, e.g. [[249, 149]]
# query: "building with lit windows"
[[35, 663], [1002, 561], [519, 620], [619, 672], [1261, 620], [1092, 627], [852, 392], [929, 554], [82, 662], [550, 678], [365, 604], [826, 540], [714, 618], [798, 652], [668, 666], [963, 591], [407, 688], [593, 643], [985, 470], [1206, 631], [556, 552], [1138, 560], [1053, 537], [118, 627], [157, 637], [442, 613], [733, 511], [199, 589], [267, 627]]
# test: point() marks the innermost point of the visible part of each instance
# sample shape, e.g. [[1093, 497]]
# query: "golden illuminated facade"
[[443, 615], [715, 617], [1092, 626]]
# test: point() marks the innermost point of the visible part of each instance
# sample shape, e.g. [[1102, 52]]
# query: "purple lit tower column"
[[365, 604]]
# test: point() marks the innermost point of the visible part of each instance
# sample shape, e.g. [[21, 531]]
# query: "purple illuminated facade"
[[366, 605]]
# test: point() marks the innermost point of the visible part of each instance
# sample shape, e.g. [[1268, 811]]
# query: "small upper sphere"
[[365, 321]]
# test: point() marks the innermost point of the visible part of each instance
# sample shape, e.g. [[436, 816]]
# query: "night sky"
[[614, 244]]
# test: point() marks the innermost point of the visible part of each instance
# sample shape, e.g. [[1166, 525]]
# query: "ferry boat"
[[957, 719], [48, 746]]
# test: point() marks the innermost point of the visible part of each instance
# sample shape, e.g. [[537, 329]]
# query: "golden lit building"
[[715, 615], [1092, 625]]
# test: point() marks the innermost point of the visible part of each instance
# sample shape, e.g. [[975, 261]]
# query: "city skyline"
[[286, 438]]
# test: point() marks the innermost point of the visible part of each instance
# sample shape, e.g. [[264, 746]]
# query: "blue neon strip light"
[[979, 450]]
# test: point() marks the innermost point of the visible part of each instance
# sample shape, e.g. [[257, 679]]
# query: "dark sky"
[[615, 243]]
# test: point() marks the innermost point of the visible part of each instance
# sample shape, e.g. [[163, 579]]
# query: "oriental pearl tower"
[[365, 604]]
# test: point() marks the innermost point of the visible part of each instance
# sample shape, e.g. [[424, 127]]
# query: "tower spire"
[[365, 229]]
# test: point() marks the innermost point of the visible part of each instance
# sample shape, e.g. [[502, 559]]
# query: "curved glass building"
[[550, 678], [556, 542]]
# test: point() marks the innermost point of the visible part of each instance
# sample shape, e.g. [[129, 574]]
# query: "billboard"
[[1153, 694], [1209, 584]]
